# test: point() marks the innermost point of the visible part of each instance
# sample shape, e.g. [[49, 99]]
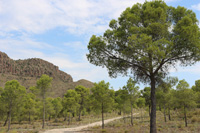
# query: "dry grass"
[[36, 126], [176, 125]]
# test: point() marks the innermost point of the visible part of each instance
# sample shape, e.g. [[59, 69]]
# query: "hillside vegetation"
[[28, 71]]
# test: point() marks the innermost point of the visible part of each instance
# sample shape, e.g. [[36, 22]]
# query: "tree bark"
[[102, 117], [124, 118], [169, 115], [124, 114], [80, 109], [29, 117], [56, 120], [65, 118], [6, 119], [120, 112], [165, 114], [131, 114], [69, 119], [79, 117], [185, 116], [149, 110], [141, 115], [159, 107], [43, 113], [153, 105], [9, 121]]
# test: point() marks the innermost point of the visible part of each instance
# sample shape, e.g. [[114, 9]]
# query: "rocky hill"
[[28, 71]]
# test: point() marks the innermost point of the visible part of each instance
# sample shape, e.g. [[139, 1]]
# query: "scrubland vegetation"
[[32, 110], [175, 125], [145, 42]]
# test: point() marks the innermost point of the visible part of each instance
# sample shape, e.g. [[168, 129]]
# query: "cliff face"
[[28, 71], [31, 67]]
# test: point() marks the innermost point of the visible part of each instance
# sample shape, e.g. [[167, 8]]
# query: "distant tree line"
[[18, 104]]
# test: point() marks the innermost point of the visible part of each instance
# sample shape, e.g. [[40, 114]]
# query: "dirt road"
[[79, 128]]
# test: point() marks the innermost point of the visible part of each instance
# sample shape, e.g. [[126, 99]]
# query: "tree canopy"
[[102, 98], [146, 40], [196, 87], [133, 94], [84, 95], [12, 95], [43, 86]]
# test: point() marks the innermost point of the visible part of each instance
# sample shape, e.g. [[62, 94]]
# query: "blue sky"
[[59, 31]]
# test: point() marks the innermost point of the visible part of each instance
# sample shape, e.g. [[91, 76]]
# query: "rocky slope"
[[28, 71]]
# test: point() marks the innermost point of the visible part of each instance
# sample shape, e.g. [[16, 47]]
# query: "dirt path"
[[79, 128]]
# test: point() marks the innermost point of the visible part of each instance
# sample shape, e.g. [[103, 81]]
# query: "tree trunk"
[[160, 107], [69, 119], [153, 106], [79, 117], [56, 120], [20, 119], [169, 114], [65, 118], [102, 117], [131, 114], [43, 113], [120, 112], [29, 117], [6, 119], [49, 117], [185, 116], [9, 121], [124, 118], [124, 114], [149, 110], [165, 114], [141, 115]]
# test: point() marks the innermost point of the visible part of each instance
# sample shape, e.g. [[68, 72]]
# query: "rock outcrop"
[[28, 71]]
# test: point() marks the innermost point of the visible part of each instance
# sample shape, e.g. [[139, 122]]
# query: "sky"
[[59, 31]]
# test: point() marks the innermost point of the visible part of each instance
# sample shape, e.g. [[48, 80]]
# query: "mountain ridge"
[[28, 71]]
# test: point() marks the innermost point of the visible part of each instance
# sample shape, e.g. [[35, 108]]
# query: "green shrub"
[[194, 119], [159, 129], [12, 131], [126, 131], [103, 131], [197, 112], [180, 126]]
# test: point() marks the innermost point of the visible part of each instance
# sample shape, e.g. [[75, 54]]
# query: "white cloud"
[[76, 16], [78, 69], [196, 7], [75, 45], [194, 69], [26, 48], [36, 16], [23, 18]]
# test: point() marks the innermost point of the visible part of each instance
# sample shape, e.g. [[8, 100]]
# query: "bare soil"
[[80, 128]]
